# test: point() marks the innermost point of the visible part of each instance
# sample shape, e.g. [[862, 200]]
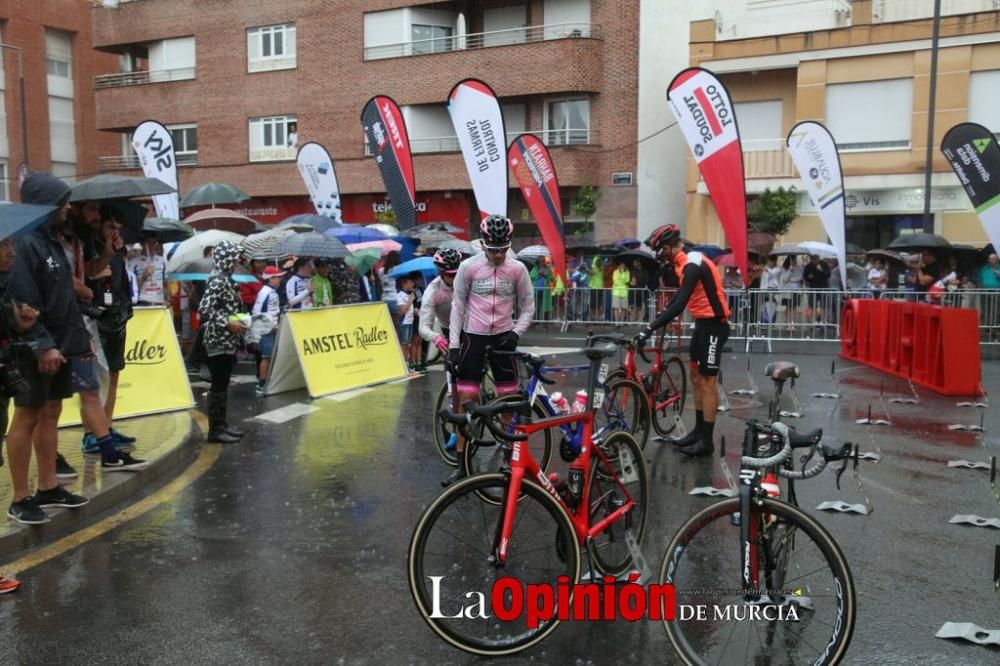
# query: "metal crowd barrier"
[[771, 314]]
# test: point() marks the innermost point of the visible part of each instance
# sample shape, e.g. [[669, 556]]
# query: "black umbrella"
[[107, 186], [629, 256], [968, 258], [212, 194], [131, 216], [888, 255], [920, 241], [19, 219], [610, 250], [165, 229], [439, 226], [577, 248], [851, 248], [312, 244], [308, 222]]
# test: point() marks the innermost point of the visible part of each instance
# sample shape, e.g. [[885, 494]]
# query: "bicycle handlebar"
[[486, 414], [827, 455], [533, 361]]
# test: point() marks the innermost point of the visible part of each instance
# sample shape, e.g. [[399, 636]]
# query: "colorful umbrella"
[[308, 222], [387, 229], [18, 219], [193, 248], [222, 218], [352, 233], [363, 260], [534, 251], [383, 246], [423, 265]]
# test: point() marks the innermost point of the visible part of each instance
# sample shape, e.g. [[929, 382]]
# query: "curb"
[[177, 454]]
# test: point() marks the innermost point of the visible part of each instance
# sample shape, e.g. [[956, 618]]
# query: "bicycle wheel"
[[443, 430], [625, 465], [450, 563], [668, 395], [807, 617], [625, 407], [487, 455]]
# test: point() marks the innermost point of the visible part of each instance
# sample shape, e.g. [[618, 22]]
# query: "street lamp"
[[24, 112]]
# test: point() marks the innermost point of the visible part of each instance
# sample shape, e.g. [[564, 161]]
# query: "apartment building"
[[863, 69], [233, 80], [49, 42]]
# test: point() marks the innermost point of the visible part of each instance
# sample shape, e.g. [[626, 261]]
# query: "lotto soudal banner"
[[316, 167], [974, 155], [154, 379], [705, 114], [536, 175], [815, 155], [475, 113], [390, 144], [154, 145], [329, 350]]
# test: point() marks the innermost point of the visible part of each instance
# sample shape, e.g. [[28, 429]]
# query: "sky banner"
[[154, 145], [475, 113], [704, 111], [316, 167], [536, 175], [815, 155], [974, 155], [389, 143]]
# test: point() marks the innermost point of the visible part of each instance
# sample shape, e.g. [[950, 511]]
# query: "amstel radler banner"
[[329, 350], [154, 379]]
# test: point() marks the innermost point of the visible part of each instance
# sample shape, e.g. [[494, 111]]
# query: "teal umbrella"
[[18, 219]]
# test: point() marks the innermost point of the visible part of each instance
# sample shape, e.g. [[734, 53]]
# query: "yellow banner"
[[345, 347], [154, 379]]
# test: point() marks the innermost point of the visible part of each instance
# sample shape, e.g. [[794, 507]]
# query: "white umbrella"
[[194, 248], [387, 229], [534, 251], [477, 244], [819, 249]]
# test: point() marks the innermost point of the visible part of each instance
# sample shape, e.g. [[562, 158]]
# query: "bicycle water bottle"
[[770, 484], [580, 403], [559, 403]]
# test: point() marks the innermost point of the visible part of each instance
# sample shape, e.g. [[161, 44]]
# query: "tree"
[[585, 204], [772, 212], [388, 216]]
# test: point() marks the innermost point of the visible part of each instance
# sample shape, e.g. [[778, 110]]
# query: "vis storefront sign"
[[329, 350], [900, 200]]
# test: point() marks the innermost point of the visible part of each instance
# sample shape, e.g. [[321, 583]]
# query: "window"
[[271, 47], [440, 35], [984, 99], [57, 68], [58, 54], [760, 125], [4, 189], [270, 138], [567, 121], [62, 129], [172, 60], [185, 143], [874, 115]]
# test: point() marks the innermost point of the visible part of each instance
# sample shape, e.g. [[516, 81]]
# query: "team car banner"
[[705, 114], [390, 144], [974, 155], [536, 175], [475, 113], [815, 155], [154, 146], [316, 167]]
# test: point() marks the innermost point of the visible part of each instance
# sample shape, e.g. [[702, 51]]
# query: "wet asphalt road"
[[292, 547]]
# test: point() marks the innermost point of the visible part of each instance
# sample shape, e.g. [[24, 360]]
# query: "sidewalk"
[[167, 441]]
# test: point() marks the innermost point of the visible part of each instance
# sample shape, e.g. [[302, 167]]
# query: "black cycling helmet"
[[446, 260], [497, 231], [663, 236]]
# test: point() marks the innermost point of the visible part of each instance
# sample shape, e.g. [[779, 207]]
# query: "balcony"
[[767, 158], [766, 21], [479, 40], [142, 77], [552, 138], [126, 162], [891, 11]]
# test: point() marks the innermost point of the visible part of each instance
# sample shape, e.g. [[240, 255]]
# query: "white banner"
[[154, 145], [475, 113], [704, 112], [815, 155], [316, 167]]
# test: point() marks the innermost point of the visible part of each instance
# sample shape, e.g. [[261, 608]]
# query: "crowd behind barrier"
[[801, 314]]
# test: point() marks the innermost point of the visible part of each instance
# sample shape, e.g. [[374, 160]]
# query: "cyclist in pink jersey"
[[436, 303], [487, 289]]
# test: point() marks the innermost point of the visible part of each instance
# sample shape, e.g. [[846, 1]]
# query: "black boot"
[[217, 419], [706, 446], [457, 475], [694, 436]]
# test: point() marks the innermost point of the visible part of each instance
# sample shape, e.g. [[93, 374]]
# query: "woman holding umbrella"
[[220, 311]]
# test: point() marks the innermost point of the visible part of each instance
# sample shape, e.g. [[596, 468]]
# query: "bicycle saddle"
[[613, 338], [597, 353], [779, 371]]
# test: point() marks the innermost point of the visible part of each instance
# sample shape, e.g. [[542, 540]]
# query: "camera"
[[12, 382]]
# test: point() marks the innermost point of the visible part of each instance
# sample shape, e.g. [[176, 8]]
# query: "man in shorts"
[[702, 294], [487, 289]]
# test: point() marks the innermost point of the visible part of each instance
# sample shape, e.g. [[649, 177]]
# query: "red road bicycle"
[[465, 541], [664, 383]]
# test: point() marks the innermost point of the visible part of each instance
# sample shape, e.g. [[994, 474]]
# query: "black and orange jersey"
[[700, 291]]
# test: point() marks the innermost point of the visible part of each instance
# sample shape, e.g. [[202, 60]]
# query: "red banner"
[[705, 114], [390, 144], [536, 175]]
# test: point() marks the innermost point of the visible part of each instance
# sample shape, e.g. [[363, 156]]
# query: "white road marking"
[[286, 413], [347, 395]]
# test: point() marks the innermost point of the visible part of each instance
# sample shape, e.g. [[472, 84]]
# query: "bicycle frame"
[[525, 469]]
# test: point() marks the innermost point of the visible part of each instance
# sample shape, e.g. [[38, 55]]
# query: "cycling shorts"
[[709, 337], [472, 363]]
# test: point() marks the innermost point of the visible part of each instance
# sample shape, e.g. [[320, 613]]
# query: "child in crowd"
[[268, 303], [406, 300]]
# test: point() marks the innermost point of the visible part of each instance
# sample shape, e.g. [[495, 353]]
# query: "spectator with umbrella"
[[224, 329], [300, 289]]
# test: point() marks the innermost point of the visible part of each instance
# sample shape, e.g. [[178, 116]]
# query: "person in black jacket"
[[42, 277]]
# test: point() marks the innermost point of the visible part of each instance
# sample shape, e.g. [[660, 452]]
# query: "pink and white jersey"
[[436, 304], [485, 296]]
